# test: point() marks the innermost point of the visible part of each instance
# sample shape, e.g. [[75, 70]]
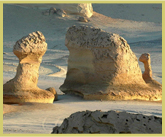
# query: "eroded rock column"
[[101, 65], [147, 75], [23, 87]]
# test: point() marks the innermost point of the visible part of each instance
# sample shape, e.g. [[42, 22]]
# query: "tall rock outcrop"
[[23, 87], [102, 65], [113, 122]]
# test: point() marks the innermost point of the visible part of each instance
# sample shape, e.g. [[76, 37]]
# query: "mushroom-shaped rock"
[[147, 75], [102, 66], [114, 122], [23, 87]]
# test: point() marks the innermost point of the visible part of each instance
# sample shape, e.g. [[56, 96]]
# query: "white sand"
[[41, 118], [140, 25]]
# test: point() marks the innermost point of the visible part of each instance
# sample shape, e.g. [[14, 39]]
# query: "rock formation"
[[23, 87], [109, 122], [81, 9], [52, 10], [147, 75], [82, 19], [61, 13], [101, 65]]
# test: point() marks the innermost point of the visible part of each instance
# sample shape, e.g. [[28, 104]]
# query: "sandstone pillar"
[[23, 87]]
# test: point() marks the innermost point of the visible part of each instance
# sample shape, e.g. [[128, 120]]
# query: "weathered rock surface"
[[109, 122], [147, 75], [23, 87], [102, 65]]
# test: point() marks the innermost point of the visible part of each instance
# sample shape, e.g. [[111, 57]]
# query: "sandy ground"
[[40, 118], [139, 24]]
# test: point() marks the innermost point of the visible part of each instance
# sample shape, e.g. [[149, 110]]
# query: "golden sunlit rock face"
[[23, 87], [147, 75], [102, 65]]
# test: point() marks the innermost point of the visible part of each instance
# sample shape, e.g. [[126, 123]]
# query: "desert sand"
[[139, 24]]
